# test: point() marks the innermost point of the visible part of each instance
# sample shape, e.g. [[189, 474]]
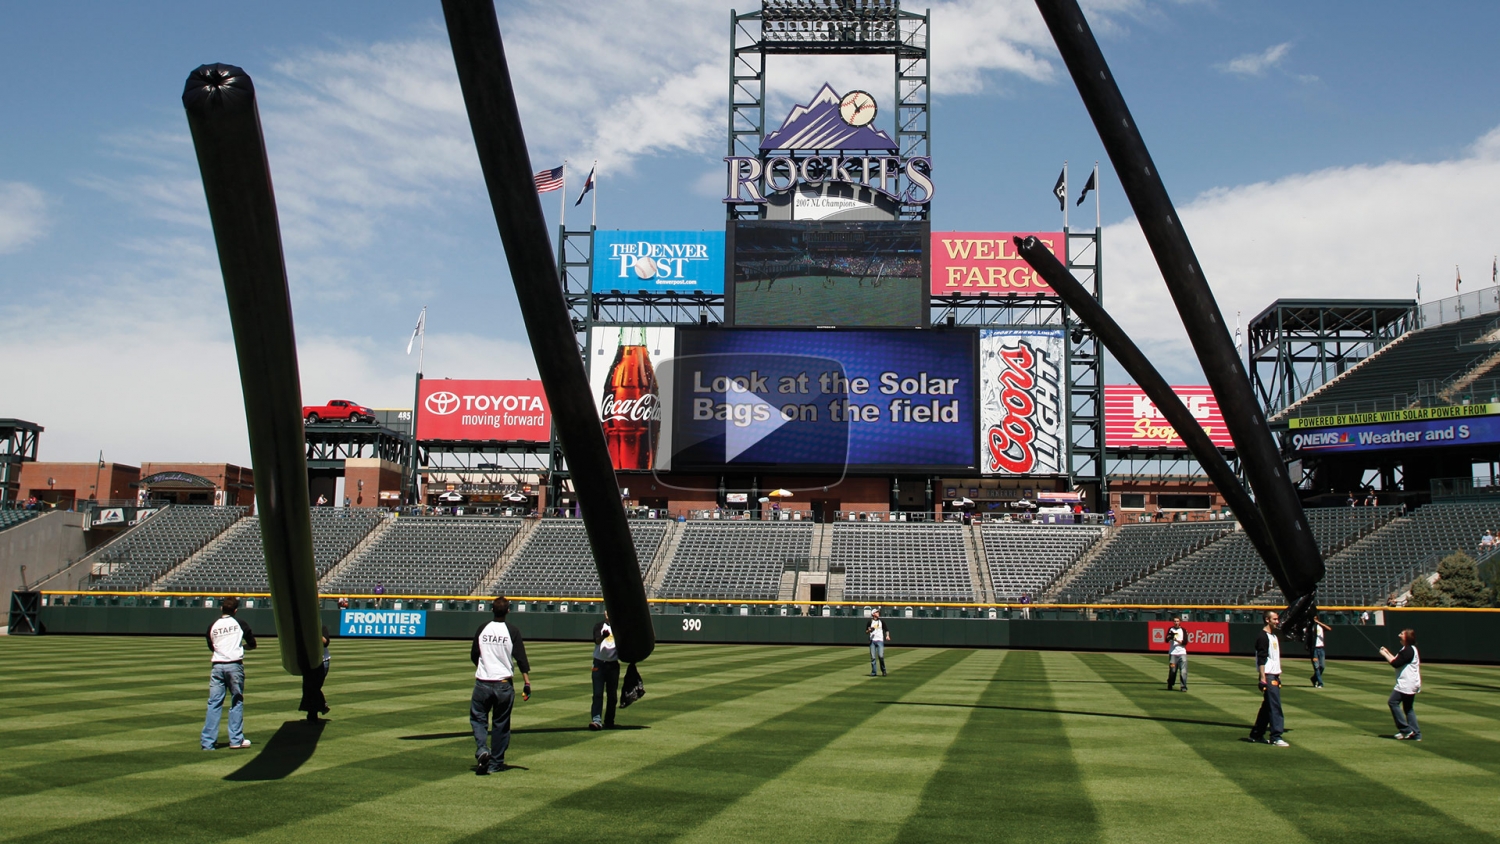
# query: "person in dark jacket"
[[606, 676], [1269, 723], [228, 639], [313, 701], [497, 652]]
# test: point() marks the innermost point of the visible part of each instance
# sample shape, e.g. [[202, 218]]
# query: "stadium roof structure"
[[1296, 345], [18, 442]]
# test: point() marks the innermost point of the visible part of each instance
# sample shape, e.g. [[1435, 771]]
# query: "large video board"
[[482, 411], [850, 274], [862, 399], [1131, 420], [659, 261]]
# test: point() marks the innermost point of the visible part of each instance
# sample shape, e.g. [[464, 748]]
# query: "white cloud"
[[1346, 232], [23, 215], [1256, 64]]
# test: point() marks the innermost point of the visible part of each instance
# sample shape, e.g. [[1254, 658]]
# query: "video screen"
[[849, 274]]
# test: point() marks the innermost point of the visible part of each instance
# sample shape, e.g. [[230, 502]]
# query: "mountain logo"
[[824, 125]]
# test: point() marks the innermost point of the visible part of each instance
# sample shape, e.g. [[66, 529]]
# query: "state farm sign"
[[1203, 637], [1131, 420], [970, 263], [506, 411]]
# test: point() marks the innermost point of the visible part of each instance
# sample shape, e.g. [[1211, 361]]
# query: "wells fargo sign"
[[1131, 420], [970, 263]]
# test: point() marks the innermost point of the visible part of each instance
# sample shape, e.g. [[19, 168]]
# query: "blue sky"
[[1334, 149]]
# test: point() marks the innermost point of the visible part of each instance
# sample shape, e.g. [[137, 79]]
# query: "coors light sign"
[[631, 409]]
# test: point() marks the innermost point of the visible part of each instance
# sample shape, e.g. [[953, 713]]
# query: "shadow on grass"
[[1474, 686], [288, 749], [522, 731], [1069, 712]]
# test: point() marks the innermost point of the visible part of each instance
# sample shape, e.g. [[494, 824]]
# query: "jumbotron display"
[[854, 274]]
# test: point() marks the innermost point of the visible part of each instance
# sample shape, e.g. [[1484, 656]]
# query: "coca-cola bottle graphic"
[[632, 408]]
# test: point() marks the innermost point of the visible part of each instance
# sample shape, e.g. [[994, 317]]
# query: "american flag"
[[549, 180]]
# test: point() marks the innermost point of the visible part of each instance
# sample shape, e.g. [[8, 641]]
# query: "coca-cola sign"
[[645, 408], [1022, 397], [483, 411], [623, 363]]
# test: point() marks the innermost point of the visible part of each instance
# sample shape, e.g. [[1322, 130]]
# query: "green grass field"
[[98, 742]]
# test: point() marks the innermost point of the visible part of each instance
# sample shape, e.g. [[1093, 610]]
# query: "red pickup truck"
[[338, 410]]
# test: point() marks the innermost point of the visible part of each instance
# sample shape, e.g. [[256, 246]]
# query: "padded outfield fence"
[[1452, 635]]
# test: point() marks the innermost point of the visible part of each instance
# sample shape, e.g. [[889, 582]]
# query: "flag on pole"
[[418, 331], [1087, 186], [549, 180], [588, 185], [1495, 270], [1458, 278], [1060, 190], [1239, 344], [1419, 287]]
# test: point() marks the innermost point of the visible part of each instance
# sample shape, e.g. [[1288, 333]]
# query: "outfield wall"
[[1444, 635]]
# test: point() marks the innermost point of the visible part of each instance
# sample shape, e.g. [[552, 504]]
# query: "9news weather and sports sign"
[[1381, 437], [1131, 420], [659, 261], [506, 411], [764, 398]]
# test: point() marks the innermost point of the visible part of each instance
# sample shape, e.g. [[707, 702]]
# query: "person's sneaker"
[[1414, 738], [595, 725], [241, 746], [1278, 743], [872, 674], [497, 765], [210, 748], [483, 761], [882, 674], [1403, 736], [1183, 689]]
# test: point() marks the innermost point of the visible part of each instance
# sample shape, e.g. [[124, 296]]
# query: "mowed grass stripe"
[[1330, 766], [365, 766], [1009, 775], [866, 781], [1132, 760], [676, 793], [562, 764]]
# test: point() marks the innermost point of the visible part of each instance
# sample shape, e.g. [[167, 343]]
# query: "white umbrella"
[[451, 495], [1023, 504], [964, 502], [780, 493], [516, 497]]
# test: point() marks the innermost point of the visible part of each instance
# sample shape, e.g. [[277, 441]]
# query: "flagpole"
[[1097, 224], [415, 491], [562, 204], [1066, 194], [594, 216]]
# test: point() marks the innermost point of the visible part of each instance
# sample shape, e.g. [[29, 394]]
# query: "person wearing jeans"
[[228, 640], [1319, 655], [497, 652], [1269, 723], [878, 637], [606, 677], [1408, 666]]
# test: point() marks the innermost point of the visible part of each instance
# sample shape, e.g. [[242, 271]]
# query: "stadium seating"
[[1134, 552], [1431, 354], [735, 560], [166, 538], [557, 561], [902, 562], [1025, 559], [1231, 571], [238, 562], [426, 555], [1387, 561], [11, 518]]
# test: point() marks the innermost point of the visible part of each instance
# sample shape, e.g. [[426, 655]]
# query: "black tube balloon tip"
[[218, 87]]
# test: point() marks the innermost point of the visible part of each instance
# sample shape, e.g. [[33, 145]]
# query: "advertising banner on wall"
[[659, 262], [1131, 420], [781, 397], [410, 624], [624, 372], [1022, 401], [1424, 434], [1203, 637], [505, 411], [970, 263]]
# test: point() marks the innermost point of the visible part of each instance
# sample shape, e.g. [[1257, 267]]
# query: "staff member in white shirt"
[[1269, 724], [228, 640], [496, 652], [606, 677], [878, 637], [1319, 655], [1408, 666], [1176, 654]]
